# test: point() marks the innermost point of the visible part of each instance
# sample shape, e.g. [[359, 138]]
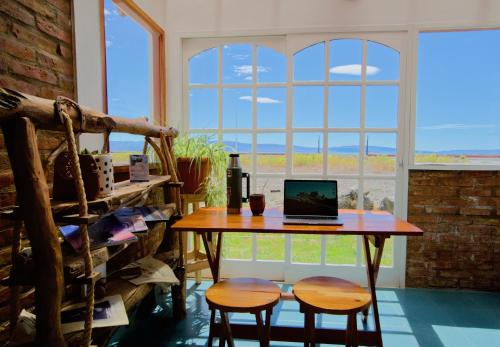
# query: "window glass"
[[271, 65], [308, 153], [203, 67], [345, 60], [271, 152], [128, 74], [382, 62], [308, 106], [237, 63], [344, 105], [242, 144], [458, 98], [381, 106], [343, 153], [271, 107], [309, 63], [380, 153], [237, 108], [203, 108]]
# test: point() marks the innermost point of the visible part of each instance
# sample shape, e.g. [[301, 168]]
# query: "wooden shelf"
[[123, 191]]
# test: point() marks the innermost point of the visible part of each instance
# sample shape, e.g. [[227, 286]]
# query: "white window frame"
[[295, 43]]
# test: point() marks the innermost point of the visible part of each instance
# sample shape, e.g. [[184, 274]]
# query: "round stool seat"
[[331, 295], [243, 295]]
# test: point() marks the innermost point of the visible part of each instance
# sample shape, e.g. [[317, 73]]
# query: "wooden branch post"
[[33, 195]]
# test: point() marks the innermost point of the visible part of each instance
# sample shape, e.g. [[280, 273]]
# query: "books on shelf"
[[151, 270]]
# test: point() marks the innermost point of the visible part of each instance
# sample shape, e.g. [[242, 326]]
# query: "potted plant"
[[201, 163]]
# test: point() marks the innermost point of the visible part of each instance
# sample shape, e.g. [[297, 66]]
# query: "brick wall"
[[36, 57], [460, 214]]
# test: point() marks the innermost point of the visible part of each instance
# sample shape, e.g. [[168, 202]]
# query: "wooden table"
[[374, 226]]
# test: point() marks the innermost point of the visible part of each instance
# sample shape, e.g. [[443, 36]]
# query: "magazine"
[[108, 312], [152, 271], [108, 231], [131, 218], [143, 214]]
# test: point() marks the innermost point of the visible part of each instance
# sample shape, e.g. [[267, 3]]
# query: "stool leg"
[[211, 329], [260, 329], [309, 327], [352, 330], [268, 326], [227, 329]]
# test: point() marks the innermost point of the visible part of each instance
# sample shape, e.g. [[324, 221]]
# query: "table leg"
[[213, 256], [378, 243], [371, 285]]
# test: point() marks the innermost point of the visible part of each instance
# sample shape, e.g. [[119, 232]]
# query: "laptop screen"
[[311, 197]]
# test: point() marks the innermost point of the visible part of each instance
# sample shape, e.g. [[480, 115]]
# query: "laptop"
[[311, 202]]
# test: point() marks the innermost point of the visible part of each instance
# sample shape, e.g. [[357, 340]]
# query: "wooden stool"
[[244, 295], [333, 296], [195, 259]]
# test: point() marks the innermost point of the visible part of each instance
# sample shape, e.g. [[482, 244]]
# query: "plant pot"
[[97, 175], [194, 176]]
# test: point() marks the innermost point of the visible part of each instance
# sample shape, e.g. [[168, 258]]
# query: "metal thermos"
[[234, 185]]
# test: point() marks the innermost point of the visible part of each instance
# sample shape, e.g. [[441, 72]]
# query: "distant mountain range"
[[136, 146]]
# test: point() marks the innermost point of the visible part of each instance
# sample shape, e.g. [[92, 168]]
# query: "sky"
[[458, 89]]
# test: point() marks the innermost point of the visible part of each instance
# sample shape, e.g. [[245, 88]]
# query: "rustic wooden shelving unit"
[[20, 116]]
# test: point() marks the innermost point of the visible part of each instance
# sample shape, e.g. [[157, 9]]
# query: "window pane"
[[203, 109], [343, 249], [242, 144], [306, 249], [272, 188], [382, 62], [458, 97], [271, 246], [380, 153], [343, 153], [345, 59], [382, 106], [237, 246], [271, 65], [308, 106], [237, 108], [271, 107], [309, 63], [204, 68], [237, 63], [380, 195], [344, 104], [308, 153], [128, 80], [271, 151]]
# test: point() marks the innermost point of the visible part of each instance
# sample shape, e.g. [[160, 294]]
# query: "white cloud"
[[109, 43], [354, 70], [248, 69], [240, 56], [260, 99], [106, 12], [457, 126], [248, 78]]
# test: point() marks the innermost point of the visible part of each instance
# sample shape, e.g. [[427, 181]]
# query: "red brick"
[[32, 37], [66, 82], [52, 93], [11, 46], [44, 9], [19, 85], [51, 29], [442, 209], [33, 72], [65, 51], [476, 191], [4, 26], [54, 62], [471, 211], [62, 5], [13, 9]]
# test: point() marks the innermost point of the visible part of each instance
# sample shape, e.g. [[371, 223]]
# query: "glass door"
[[324, 107]]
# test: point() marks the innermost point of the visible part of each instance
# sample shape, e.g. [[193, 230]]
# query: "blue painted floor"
[[409, 318]]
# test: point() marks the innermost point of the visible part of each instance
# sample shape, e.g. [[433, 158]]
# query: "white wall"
[[209, 18]]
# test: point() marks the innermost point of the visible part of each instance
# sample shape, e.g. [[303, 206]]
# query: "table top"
[[356, 222]]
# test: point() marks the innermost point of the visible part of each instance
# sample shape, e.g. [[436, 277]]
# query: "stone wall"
[[36, 57], [459, 212]]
